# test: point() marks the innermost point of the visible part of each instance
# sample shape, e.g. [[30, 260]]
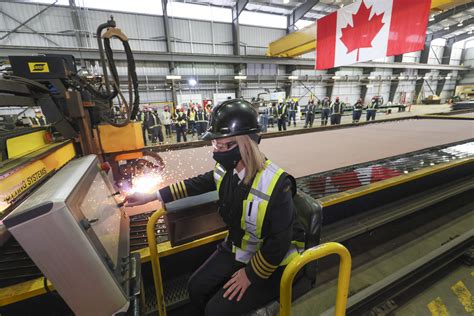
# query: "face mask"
[[228, 159]]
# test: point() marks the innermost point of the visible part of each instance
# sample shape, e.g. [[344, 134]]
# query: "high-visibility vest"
[[253, 213]]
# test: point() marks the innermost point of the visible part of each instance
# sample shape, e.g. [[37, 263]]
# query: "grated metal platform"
[[343, 179]]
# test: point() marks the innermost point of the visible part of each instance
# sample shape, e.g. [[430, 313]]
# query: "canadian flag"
[[371, 29]]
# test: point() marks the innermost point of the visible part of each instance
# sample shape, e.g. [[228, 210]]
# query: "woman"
[[256, 203]]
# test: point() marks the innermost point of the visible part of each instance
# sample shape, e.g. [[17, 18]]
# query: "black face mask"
[[228, 159]]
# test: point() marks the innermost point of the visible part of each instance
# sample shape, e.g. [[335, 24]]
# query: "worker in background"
[[180, 124], [292, 109], [357, 112], [372, 109], [155, 127], [38, 119], [272, 115], [208, 108], [282, 113], [264, 114], [166, 118], [337, 109], [141, 118], [256, 203], [192, 119], [310, 113], [201, 121], [325, 111]]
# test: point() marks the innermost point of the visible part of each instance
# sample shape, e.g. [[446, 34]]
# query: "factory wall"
[[54, 28], [468, 61]]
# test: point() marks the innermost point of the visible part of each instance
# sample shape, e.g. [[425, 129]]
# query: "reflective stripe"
[[260, 194], [219, 173]]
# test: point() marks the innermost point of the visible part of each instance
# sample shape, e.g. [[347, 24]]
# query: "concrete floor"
[[452, 294]]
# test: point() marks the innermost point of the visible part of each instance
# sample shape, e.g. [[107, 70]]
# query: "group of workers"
[[189, 118], [284, 113]]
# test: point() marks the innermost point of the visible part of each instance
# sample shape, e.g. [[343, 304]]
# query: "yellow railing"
[[155, 264], [311, 255]]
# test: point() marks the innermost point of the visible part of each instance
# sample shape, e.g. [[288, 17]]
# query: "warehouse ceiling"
[[456, 21]]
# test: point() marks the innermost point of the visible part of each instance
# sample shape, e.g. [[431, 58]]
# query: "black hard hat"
[[232, 118]]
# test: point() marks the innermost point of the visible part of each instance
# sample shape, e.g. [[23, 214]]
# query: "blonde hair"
[[252, 157]]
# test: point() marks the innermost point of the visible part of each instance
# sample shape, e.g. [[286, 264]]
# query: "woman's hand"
[[238, 284], [139, 198]]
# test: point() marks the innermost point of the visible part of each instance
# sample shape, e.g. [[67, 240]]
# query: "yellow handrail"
[[155, 264], [311, 255]]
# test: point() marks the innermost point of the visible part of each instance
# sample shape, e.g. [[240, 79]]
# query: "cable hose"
[[133, 107]]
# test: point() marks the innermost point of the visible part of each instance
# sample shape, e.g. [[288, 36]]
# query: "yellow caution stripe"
[[437, 307], [464, 296]]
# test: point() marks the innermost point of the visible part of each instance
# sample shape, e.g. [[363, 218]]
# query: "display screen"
[[100, 208]]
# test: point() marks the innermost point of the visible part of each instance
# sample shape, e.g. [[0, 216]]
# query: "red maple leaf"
[[362, 31]]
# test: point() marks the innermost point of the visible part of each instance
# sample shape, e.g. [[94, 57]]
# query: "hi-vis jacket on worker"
[[261, 218]]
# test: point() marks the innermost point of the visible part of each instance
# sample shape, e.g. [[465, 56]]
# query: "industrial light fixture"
[[336, 77], [460, 23], [293, 77], [448, 77], [446, 27], [173, 77], [426, 78], [401, 77], [370, 86], [431, 19], [372, 77], [192, 82], [240, 77]]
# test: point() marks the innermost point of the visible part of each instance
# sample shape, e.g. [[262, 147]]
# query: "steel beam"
[[169, 48], [166, 28], [30, 28], [76, 21], [363, 88], [92, 54], [331, 82], [449, 13], [298, 13], [28, 20], [452, 28], [236, 11], [394, 83]]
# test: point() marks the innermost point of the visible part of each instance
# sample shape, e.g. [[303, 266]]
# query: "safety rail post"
[[308, 256], [155, 263]]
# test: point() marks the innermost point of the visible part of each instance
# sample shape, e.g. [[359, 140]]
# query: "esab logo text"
[[37, 67]]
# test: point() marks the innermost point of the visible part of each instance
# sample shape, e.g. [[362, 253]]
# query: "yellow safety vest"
[[254, 210]]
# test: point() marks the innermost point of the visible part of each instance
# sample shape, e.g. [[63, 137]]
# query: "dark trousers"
[[144, 134], [281, 124], [356, 116], [309, 120], [371, 115], [271, 121], [192, 127], [206, 292], [291, 115], [200, 127], [324, 116], [335, 119], [156, 133], [180, 130], [168, 130]]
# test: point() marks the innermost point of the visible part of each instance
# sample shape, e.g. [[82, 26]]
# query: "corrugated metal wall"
[[199, 37]]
